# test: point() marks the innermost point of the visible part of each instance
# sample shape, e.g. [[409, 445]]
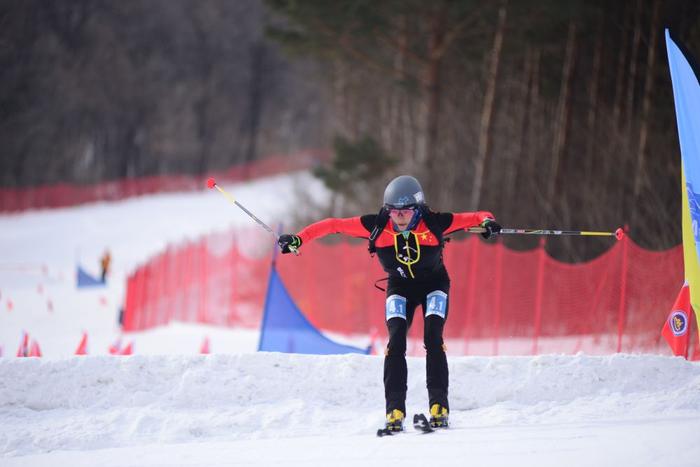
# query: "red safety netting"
[[62, 194], [219, 280], [501, 301]]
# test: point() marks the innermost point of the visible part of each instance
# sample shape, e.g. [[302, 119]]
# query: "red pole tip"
[[619, 233], [211, 183]]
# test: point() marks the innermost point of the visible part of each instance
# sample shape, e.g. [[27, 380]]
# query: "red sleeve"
[[349, 226], [464, 220]]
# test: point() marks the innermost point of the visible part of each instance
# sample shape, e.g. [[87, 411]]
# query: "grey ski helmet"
[[403, 191]]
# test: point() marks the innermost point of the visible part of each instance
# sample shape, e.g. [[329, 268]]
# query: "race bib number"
[[395, 307], [436, 304]]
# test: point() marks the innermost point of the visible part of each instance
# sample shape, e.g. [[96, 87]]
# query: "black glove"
[[491, 228], [288, 242]]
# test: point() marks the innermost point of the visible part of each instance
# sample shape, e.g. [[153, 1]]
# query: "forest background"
[[549, 113]]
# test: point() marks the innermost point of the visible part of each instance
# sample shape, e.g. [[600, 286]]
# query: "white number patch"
[[436, 304], [395, 307]]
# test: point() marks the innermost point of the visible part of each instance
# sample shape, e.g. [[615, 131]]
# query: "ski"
[[420, 423], [386, 432]]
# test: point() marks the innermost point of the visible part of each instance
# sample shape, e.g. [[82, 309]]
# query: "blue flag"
[[83, 279], [686, 97], [286, 329]]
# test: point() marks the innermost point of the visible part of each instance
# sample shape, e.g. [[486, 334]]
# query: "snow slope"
[[39, 251], [166, 406], [277, 409]]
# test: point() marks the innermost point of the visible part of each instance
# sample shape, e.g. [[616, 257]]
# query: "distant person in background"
[[104, 264], [408, 239]]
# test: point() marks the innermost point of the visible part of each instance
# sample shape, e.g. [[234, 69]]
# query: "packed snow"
[[280, 409], [166, 405]]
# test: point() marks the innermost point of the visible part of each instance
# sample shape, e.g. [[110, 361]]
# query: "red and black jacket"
[[413, 254]]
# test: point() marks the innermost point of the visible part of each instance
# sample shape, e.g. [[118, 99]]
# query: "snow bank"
[[88, 403]]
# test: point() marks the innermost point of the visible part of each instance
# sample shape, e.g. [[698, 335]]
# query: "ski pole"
[[618, 233], [211, 183]]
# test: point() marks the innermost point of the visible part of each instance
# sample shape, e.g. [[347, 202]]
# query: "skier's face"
[[401, 217]]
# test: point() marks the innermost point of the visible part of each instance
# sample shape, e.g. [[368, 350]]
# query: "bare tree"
[[640, 173], [487, 107], [561, 120]]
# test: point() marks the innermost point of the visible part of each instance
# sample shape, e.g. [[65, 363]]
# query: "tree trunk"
[[338, 87], [627, 152], [646, 105], [561, 118], [632, 77], [255, 100], [523, 123], [530, 181], [432, 93], [202, 106], [593, 101], [398, 108], [487, 108], [201, 110], [620, 73]]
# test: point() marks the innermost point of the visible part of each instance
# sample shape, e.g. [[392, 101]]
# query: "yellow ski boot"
[[394, 420], [394, 423], [439, 417]]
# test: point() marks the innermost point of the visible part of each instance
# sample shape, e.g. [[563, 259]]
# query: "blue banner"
[[286, 329], [686, 93], [686, 96]]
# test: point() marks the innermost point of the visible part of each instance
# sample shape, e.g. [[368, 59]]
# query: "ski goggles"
[[406, 211]]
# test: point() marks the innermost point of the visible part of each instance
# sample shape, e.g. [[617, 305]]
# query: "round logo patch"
[[678, 322], [403, 201]]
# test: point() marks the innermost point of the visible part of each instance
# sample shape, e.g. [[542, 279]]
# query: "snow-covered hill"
[[39, 251], [276, 409], [166, 406]]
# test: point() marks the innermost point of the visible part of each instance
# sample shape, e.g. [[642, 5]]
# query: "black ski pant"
[[403, 296]]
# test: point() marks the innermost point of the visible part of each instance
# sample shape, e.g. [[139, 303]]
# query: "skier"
[[409, 248], [105, 262]]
